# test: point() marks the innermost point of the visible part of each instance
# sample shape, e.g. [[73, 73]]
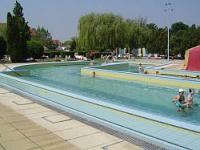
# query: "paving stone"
[[23, 102], [35, 132], [14, 118], [76, 132], [58, 126], [1, 147], [20, 144], [97, 148], [93, 140], [11, 136], [6, 128], [34, 110], [41, 115], [61, 146], [57, 118], [24, 124], [3, 91], [25, 106], [124, 146], [35, 149]]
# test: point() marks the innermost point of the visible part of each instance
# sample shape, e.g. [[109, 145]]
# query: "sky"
[[61, 17]]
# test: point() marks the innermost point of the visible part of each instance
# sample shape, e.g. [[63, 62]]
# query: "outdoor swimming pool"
[[138, 109], [147, 98]]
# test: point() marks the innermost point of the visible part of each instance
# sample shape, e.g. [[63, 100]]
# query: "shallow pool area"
[[136, 107], [120, 67], [124, 66]]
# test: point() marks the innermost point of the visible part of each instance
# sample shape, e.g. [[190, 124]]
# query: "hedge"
[[53, 53]]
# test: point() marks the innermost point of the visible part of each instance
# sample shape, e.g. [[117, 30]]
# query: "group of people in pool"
[[181, 102]]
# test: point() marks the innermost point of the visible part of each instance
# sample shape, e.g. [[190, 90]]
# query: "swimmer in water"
[[179, 100]]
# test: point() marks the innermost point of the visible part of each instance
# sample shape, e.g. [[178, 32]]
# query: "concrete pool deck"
[[26, 125]]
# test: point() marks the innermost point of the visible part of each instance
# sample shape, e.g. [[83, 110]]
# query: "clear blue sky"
[[61, 17]]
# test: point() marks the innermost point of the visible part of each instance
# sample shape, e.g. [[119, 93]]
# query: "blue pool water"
[[148, 98]]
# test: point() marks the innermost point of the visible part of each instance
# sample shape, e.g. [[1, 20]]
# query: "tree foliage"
[[41, 34], [101, 31], [108, 31], [184, 37], [157, 42], [17, 34], [3, 47], [35, 49], [71, 44]]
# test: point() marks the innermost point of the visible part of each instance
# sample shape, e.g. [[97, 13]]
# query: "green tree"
[[35, 49], [3, 47], [157, 42], [73, 44], [101, 32], [43, 36], [17, 34], [176, 27], [108, 31], [184, 37]]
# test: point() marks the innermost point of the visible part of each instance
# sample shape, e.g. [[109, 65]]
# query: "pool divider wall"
[[144, 78], [47, 64]]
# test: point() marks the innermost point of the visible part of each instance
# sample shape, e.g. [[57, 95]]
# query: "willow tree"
[[18, 34]]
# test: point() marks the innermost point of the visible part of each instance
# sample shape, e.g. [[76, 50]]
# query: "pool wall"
[[47, 64], [139, 77]]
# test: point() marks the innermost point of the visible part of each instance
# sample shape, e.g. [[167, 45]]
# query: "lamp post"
[[168, 9]]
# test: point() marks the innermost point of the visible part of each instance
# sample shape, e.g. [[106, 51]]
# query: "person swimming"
[[189, 100], [179, 100]]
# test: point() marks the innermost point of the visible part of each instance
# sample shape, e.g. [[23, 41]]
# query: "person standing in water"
[[189, 100], [179, 100], [140, 68]]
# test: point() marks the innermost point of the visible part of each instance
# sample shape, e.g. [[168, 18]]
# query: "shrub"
[[52, 53]]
